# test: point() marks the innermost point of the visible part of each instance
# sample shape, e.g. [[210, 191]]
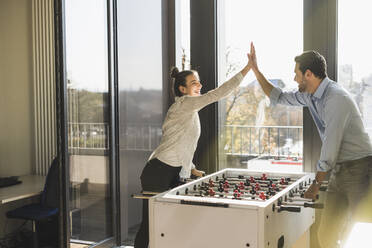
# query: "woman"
[[181, 131]]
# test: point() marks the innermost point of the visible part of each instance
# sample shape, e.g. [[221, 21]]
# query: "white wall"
[[16, 100], [16, 88], [95, 169]]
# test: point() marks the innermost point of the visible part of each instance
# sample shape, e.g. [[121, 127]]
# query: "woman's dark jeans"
[[156, 177]]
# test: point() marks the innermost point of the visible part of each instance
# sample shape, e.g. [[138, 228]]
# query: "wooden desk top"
[[31, 185]]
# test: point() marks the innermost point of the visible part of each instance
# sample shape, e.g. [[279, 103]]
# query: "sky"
[[86, 44], [355, 36], [277, 35], [139, 44]]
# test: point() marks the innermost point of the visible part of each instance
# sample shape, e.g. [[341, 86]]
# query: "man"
[[346, 149]]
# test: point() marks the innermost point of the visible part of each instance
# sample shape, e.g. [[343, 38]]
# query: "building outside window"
[[354, 46]]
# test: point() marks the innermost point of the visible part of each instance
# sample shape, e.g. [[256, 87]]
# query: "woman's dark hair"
[[179, 79], [313, 61]]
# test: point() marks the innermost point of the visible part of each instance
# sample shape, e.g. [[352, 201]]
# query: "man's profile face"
[[300, 79]]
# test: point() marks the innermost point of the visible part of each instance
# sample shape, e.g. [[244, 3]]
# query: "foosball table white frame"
[[184, 221]]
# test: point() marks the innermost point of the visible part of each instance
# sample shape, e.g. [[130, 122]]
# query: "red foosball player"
[[226, 185], [236, 194], [283, 181], [263, 177], [211, 183], [241, 186], [211, 192], [251, 179], [262, 196], [257, 187]]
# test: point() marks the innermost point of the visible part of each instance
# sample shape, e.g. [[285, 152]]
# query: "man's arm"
[[192, 103], [337, 112], [265, 84], [337, 117], [275, 94]]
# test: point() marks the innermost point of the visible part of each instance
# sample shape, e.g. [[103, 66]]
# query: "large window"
[[252, 133], [88, 121], [140, 100], [354, 46]]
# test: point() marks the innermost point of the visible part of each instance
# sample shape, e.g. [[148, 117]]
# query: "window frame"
[[204, 58], [203, 52]]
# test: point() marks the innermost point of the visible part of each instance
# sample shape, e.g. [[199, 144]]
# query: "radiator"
[[44, 84]]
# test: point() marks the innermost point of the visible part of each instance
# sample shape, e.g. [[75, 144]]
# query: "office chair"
[[48, 206]]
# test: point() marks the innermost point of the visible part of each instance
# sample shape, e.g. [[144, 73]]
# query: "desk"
[[31, 185]]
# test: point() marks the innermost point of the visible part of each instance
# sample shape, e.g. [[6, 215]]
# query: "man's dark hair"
[[313, 61]]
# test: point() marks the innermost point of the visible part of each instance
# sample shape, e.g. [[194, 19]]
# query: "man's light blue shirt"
[[337, 118]]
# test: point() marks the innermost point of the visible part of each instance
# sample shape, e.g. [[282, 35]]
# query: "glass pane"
[[87, 96], [253, 134], [183, 34], [354, 50], [140, 99]]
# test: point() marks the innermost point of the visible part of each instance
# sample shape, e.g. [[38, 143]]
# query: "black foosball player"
[[346, 152], [172, 159]]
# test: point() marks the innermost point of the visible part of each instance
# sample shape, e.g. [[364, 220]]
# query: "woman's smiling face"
[[193, 85]]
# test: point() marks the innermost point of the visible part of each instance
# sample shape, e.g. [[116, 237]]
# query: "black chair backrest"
[[50, 194]]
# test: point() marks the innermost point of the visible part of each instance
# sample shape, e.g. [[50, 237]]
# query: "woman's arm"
[[192, 103]]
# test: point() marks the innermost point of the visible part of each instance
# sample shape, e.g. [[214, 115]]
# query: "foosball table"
[[233, 208]]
